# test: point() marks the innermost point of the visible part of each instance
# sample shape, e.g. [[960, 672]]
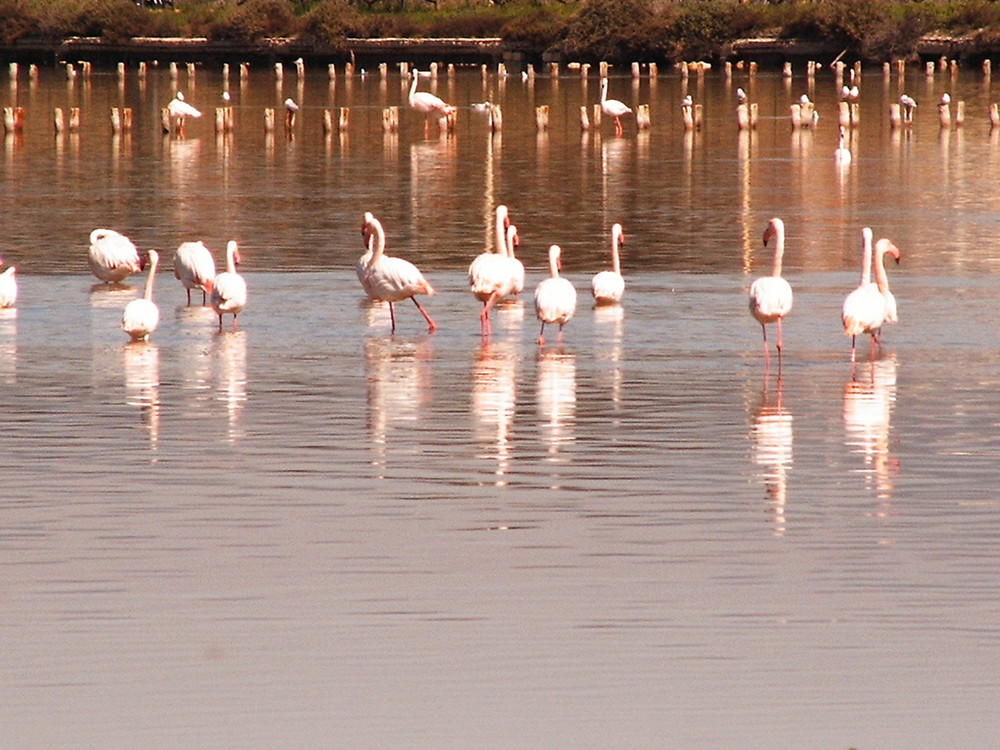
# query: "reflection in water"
[[196, 324], [111, 296], [231, 354], [8, 345], [867, 411], [494, 391], [397, 373], [556, 400], [609, 321], [142, 384], [771, 436]]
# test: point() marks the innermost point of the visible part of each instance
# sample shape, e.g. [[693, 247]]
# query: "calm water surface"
[[312, 533]]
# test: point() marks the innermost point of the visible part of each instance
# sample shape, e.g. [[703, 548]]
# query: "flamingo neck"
[[615, 262], [500, 240], [413, 86], [881, 277], [866, 259], [554, 262], [511, 234], [376, 227], [779, 249], [148, 292], [604, 90]]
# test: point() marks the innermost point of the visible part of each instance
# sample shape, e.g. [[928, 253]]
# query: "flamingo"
[[555, 297], [516, 266], [613, 107], [882, 248], [229, 293], [908, 104], [361, 267], [179, 110], [609, 286], [428, 104], [8, 287], [865, 308], [112, 256], [141, 316], [194, 267], [490, 276], [842, 154], [393, 279], [771, 296]]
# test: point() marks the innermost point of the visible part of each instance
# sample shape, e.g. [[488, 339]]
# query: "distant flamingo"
[[842, 154], [393, 279], [194, 267], [490, 273], [555, 297], [771, 296], [428, 104], [8, 287], [865, 308], [112, 256], [607, 287], [179, 110], [229, 293], [613, 107], [141, 316]]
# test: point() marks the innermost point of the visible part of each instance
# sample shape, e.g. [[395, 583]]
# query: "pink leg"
[[541, 334], [780, 345], [392, 318], [767, 354], [484, 317], [431, 327], [853, 341]]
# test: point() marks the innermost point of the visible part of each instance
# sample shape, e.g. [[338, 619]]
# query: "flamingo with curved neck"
[[771, 296], [882, 248], [607, 287], [427, 103], [613, 107], [394, 279], [865, 308], [229, 295]]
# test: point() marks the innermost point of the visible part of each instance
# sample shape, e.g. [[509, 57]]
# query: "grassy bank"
[[613, 30]]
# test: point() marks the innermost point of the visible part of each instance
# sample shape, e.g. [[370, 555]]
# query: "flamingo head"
[[235, 250], [886, 247], [619, 233], [773, 227]]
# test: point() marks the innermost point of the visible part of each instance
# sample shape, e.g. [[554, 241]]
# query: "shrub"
[[611, 30], [540, 30], [256, 19], [330, 23]]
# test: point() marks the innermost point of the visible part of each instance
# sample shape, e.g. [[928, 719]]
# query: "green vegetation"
[[614, 30]]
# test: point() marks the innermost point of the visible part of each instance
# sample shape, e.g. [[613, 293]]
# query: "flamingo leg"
[[392, 319], [767, 354], [189, 297], [234, 321], [204, 299], [431, 327], [484, 316], [220, 322], [618, 126], [541, 334], [853, 341]]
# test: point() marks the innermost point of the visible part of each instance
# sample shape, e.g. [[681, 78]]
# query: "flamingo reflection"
[[142, 385], [8, 345], [494, 395], [608, 324], [231, 385], [399, 386], [771, 436], [867, 411], [556, 400]]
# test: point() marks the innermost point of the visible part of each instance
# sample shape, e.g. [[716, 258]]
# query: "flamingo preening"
[[194, 267], [112, 256]]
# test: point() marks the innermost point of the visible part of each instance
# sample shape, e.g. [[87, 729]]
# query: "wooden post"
[[74, 119], [584, 119], [269, 120], [642, 119], [116, 120], [345, 118], [60, 124]]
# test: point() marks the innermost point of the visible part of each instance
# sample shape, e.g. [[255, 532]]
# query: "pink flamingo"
[[771, 296], [613, 107], [607, 287], [428, 104], [490, 277], [555, 297], [229, 293], [393, 279], [194, 267], [865, 309], [112, 256]]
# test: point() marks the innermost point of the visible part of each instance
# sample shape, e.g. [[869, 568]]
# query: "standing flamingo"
[[771, 296], [428, 104], [179, 110], [393, 279], [555, 297], [361, 267], [516, 267], [112, 256], [490, 273], [194, 267], [229, 293], [141, 316], [8, 287], [613, 107], [865, 308], [609, 286]]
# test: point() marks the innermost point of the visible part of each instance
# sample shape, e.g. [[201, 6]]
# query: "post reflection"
[[771, 438], [230, 353], [494, 396], [398, 377], [142, 385], [868, 403], [555, 400]]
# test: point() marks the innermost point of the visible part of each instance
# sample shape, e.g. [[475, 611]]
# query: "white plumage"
[[613, 107], [771, 296], [426, 103], [842, 154], [112, 256], [194, 267], [8, 287], [491, 275], [607, 287], [141, 316], [555, 297], [229, 293], [393, 279], [865, 308]]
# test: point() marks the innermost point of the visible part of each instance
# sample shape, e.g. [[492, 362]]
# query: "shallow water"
[[310, 531]]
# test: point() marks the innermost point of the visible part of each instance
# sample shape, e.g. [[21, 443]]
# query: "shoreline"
[[766, 51]]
